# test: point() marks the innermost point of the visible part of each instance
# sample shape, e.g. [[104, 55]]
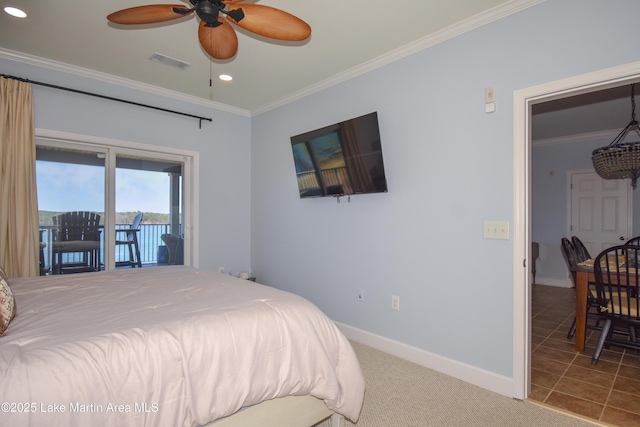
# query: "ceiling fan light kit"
[[216, 36], [620, 159]]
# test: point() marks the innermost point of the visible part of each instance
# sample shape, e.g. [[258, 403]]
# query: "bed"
[[172, 346]]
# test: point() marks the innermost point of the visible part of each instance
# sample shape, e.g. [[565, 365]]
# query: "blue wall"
[[224, 147], [449, 168]]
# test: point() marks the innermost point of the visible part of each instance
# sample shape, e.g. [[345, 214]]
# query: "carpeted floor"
[[402, 394]]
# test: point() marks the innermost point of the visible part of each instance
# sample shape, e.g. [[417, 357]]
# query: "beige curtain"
[[19, 231]]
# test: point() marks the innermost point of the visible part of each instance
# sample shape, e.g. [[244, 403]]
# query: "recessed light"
[[15, 12], [225, 77]]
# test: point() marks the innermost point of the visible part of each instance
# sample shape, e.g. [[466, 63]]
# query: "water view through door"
[[150, 187], [72, 180]]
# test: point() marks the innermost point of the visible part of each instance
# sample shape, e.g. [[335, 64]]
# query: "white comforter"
[[166, 346]]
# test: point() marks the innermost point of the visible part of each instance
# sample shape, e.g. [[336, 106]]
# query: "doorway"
[[523, 101]]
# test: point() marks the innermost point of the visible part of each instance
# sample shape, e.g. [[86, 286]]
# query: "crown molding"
[[445, 34], [119, 81], [579, 137], [452, 31]]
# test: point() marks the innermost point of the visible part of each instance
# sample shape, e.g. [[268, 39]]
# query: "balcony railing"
[[335, 178], [148, 241]]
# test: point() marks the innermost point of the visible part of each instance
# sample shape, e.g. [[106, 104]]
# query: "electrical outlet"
[[221, 270], [395, 302], [360, 295]]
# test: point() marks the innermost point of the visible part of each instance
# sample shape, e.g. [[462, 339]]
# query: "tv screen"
[[341, 159]]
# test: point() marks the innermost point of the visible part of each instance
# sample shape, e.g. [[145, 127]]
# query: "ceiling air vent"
[[163, 59]]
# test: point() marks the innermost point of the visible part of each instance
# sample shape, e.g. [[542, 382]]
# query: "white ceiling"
[[604, 112], [348, 38]]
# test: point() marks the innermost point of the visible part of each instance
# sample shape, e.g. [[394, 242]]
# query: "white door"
[[600, 211]]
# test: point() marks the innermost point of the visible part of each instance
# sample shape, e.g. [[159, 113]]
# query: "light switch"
[[496, 230], [490, 94]]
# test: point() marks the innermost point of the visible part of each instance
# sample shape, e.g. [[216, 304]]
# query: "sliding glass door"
[[138, 195], [71, 187], [149, 189]]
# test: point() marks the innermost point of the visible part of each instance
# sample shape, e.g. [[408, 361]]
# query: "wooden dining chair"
[[581, 250], [617, 280], [633, 241], [76, 242], [572, 258], [129, 237]]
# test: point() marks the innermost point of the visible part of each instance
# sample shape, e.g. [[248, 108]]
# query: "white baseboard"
[[471, 374], [554, 281]]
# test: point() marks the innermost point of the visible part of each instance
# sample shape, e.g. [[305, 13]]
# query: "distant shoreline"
[[46, 217]]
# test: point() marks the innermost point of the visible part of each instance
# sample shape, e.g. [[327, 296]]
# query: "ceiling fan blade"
[[147, 14], [271, 22], [220, 42]]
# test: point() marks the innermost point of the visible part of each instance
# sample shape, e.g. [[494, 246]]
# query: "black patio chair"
[[76, 242], [129, 237]]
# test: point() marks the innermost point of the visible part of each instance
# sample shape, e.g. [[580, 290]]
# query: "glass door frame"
[[110, 149]]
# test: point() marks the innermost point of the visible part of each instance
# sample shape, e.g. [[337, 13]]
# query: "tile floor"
[[565, 379]]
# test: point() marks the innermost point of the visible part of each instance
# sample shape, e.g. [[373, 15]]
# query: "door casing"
[[523, 100]]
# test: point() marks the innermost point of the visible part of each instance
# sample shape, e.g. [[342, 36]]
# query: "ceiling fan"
[[216, 36]]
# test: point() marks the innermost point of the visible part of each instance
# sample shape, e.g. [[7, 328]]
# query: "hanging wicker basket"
[[618, 161]]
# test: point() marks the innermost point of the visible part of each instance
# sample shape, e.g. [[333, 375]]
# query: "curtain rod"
[[6, 76]]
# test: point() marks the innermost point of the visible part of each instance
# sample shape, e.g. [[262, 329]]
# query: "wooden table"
[[584, 275]]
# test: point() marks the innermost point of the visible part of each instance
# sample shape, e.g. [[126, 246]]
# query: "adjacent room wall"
[[551, 165], [449, 168]]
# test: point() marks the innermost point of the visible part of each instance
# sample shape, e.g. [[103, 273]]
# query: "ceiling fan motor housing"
[[208, 10]]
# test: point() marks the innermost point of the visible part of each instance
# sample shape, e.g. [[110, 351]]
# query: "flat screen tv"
[[342, 159]]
